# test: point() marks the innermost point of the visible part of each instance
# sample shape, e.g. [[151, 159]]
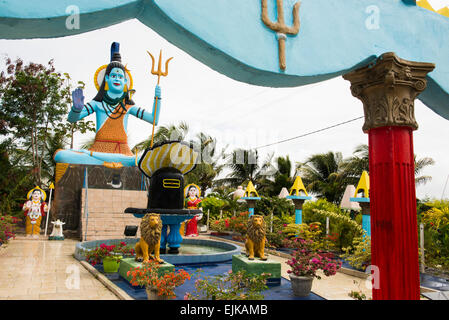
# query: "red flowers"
[[7, 227], [149, 276]]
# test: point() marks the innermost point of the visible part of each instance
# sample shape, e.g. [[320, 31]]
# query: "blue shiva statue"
[[112, 106]]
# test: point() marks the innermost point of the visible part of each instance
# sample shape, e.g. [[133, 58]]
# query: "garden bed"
[[278, 292]]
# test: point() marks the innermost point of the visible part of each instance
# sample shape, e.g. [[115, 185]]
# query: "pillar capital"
[[388, 89]]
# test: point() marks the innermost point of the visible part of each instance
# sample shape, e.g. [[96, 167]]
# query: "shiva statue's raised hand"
[[157, 92], [78, 100]]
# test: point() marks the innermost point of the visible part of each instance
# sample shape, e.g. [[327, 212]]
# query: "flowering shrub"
[[97, 255], [436, 237], [276, 239], [7, 228], [236, 223], [313, 235], [148, 275], [305, 261], [230, 286], [359, 254], [239, 223]]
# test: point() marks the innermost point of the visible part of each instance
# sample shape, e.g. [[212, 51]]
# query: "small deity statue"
[[57, 233], [35, 208], [193, 201], [112, 106]]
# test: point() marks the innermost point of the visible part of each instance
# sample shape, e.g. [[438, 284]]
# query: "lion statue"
[[255, 241], [150, 238]]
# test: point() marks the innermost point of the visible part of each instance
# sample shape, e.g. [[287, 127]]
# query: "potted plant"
[[109, 255], [305, 263], [158, 286], [230, 286]]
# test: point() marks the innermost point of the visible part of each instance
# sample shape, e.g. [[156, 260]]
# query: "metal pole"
[[271, 225], [48, 212], [221, 214], [421, 232], [208, 211], [86, 210], [327, 226], [445, 185]]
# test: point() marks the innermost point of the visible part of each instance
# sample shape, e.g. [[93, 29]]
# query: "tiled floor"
[[46, 270], [41, 269]]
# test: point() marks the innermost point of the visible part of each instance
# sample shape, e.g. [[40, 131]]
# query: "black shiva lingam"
[[166, 164]]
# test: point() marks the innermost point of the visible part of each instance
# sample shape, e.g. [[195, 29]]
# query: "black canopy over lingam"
[[165, 164]]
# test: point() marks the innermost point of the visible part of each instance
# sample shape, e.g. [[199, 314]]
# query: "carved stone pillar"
[[388, 89]]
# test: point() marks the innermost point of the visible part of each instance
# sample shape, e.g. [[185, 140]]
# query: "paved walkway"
[[42, 269], [33, 269]]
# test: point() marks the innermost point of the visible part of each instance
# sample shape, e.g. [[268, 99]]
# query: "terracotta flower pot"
[[152, 294], [301, 286]]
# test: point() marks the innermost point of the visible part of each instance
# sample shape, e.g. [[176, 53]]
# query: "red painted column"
[[388, 89], [394, 230]]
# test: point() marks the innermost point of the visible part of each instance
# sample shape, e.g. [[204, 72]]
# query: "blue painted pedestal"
[[298, 201], [171, 223], [251, 203], [366, 216]]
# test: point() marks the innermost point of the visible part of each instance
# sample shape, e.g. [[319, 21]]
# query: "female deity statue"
[[112, 106], [193, 201], [35, 208]]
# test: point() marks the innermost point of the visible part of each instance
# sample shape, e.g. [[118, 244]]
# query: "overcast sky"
[[236, 113]]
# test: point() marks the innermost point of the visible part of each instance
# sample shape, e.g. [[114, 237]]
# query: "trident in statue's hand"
[[159, 73]]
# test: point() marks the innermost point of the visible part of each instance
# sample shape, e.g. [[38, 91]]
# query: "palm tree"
[[209, 167], [420, 164], [282, 178], [164, 133], [354, 166], [245, 166], [323, 175], [53, 142], [359, 162]]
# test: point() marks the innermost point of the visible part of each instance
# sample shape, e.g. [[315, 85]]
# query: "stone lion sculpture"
[[255, 240], [150, 238]]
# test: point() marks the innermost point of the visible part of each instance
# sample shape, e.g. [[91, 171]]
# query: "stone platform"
[[129, 263], [256, 266], [70, 180]]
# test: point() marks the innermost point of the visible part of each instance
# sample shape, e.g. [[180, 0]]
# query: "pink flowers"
[[96, 255], [308, 262]]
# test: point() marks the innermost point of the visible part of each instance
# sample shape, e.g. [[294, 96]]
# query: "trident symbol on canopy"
[[280, 27], [159, 73]]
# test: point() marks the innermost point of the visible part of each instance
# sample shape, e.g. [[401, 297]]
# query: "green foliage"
[[7, 228], [275, 239], [279, 207], [237, 223], [230, 286], [358, 254], [340, 223], [213, 204], [280, 221], [324, 176], [357, 295], [436, 233], [15, 182], [296, 234], [34, 101]]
